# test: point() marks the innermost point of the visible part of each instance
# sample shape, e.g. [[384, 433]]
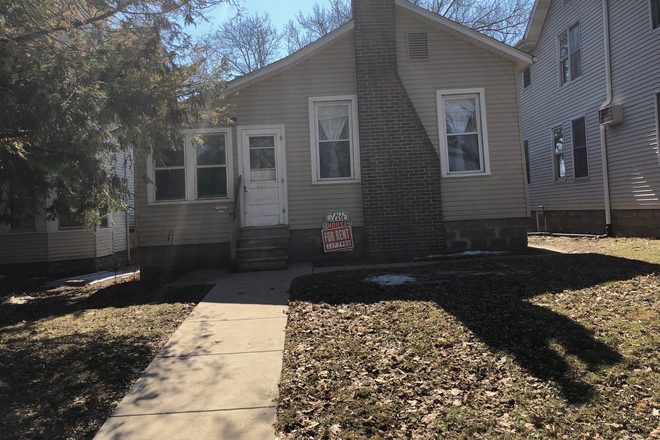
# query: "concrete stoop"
[[259, 249]]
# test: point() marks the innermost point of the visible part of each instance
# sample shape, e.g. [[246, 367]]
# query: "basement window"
[[418, 46]]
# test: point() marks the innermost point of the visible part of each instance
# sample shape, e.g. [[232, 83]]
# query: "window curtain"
[[333, 126]]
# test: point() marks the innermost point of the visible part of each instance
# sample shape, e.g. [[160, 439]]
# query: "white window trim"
[[190, 167], [355, 140], [657, 30], [586, 148], [483, 134], [567, 31], [555, 174]]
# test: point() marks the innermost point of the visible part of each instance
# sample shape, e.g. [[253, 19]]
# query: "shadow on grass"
[[490, 298], [59, 302]]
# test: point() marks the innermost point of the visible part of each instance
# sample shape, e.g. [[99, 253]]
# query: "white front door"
[[264, 168]]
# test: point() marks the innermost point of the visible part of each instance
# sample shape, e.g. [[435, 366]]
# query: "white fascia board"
[[534, 25], [291, 60], [471, 34]]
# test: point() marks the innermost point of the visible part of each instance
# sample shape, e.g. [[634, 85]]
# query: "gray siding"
[[456, 64], [633, 145], [547, 104]]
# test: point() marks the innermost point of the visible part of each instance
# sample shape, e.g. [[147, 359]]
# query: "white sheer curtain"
[[333, 120], [461, 114]]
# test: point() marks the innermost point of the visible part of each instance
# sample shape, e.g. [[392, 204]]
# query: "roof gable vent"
[[418, 46]]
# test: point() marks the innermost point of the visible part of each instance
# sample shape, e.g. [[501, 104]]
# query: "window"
[[22, 207], [334, 139], [570, 58], [212, 167], [529, 175], [655, 13], [463, 132], [527, 78], [198, 169], [580, 158], [558, 153], [171, 174], [67, 215]]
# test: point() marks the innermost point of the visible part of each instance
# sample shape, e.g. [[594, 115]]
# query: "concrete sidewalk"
[[218, 375]]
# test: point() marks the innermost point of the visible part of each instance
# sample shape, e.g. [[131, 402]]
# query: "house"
[[405, 120], [32, 241], [590, 106]]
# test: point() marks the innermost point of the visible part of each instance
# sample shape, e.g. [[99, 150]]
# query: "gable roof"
[[534, 25], [465, 33], [445, 24]]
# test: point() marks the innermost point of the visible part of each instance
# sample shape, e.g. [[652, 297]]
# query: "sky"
[[280, 12]]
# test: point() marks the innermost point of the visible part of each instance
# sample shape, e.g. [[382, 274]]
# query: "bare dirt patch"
[[562, 346], [70, 354]]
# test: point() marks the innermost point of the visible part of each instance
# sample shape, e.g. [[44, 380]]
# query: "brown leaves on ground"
[[540, 347], [69, 355]]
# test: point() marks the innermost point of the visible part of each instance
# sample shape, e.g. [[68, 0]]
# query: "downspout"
[[603, 133]]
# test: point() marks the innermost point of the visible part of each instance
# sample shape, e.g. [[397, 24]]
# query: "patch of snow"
[[391, 280], [482, 253], [18, 300], [463, 254]]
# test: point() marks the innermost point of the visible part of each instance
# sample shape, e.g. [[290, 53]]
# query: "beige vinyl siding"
[[23, 248], [547, 104], [633, 145], [71, 245], [119, 231], [457, 64], [186, 223], [283, 99]]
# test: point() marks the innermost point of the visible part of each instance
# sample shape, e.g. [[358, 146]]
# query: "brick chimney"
[[400, 167]]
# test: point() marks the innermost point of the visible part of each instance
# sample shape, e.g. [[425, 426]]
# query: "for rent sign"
[[338, 239]]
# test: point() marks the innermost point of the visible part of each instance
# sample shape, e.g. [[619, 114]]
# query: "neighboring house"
[[593, 59], [408, 121], [62, 245]]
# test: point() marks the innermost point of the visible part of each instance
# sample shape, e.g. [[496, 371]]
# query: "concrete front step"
[[267, 231], [261, 264], [261, 252]]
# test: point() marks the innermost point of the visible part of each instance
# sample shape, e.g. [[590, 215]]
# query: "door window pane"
[[335, 159], [263, 166], [212, 182]]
